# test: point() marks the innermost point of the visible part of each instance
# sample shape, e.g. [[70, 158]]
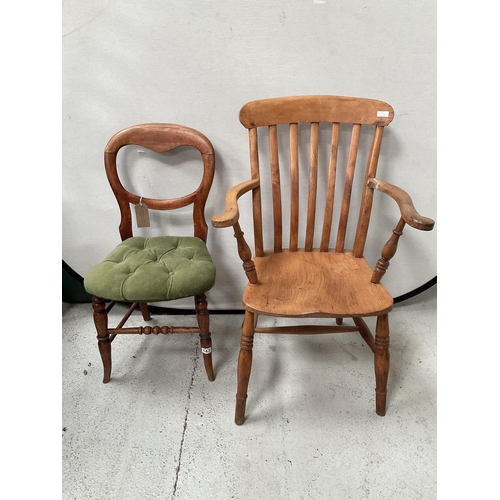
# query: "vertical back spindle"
[[313, 184], [330, 193], [349, 176], [276, 187], [367, 196], [256, 197], [294, 187]]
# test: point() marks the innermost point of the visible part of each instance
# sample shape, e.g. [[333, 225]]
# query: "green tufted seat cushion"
[[153, 270]]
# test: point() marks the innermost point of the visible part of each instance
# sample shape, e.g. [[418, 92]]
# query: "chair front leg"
[[244, 366], [103, 340], [205, 338], [381, 363]]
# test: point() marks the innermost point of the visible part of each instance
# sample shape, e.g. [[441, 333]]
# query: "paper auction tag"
[[142, 215]]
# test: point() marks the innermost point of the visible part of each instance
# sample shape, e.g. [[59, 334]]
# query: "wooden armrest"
[[402, 198], [231, 215]]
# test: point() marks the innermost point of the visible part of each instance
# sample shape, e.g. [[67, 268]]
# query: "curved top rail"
[[316, 108], [159, 137]]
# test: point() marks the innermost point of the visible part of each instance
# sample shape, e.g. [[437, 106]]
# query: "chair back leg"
[[146, 315]]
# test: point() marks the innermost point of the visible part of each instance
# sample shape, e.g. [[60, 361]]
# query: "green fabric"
[[153, 270]]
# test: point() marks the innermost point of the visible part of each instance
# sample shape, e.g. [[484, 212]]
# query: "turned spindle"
[[388, 252], [245, 255]]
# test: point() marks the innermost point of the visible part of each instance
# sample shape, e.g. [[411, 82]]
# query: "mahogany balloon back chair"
[[161, 268], [309, 275]]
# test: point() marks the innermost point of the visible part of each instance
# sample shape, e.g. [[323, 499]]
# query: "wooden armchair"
[[157, 269], [305, 279]]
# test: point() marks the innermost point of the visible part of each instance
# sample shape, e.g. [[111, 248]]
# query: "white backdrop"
[[197, 62]]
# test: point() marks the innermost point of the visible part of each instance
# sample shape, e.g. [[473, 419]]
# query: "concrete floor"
[[161, 430]]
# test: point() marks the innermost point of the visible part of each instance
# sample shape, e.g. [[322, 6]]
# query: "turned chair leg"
[[244, 366], [103, 340], [205, 338], [381, 363]]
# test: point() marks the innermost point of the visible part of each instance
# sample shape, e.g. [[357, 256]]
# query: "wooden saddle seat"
[[159, 268], [315, 272], [315, 284]]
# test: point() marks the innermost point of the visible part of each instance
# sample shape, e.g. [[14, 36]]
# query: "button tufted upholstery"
[[153, 269], [162, 268]]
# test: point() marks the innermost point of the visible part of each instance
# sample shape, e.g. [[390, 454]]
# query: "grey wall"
[[197, 62]]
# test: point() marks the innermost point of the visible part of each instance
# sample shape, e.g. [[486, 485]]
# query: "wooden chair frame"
[[160, 138], [269, 113]]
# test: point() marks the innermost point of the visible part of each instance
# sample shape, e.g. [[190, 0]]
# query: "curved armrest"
[[231, 215], [402, 198]]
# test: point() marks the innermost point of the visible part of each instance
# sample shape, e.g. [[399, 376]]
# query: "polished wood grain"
[[256, 195], [367, 195], [315, 284], [245, 255], [276, 188], [313, 185], [205, 338], [103, 340], [331, 281], [244, 366], [365, 332], [307, 329], [232, 214], [405, 203], [382, 358], [158, 137], [346, 198], [294, 187], [318, 108], [330, 192], [388, 252]]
